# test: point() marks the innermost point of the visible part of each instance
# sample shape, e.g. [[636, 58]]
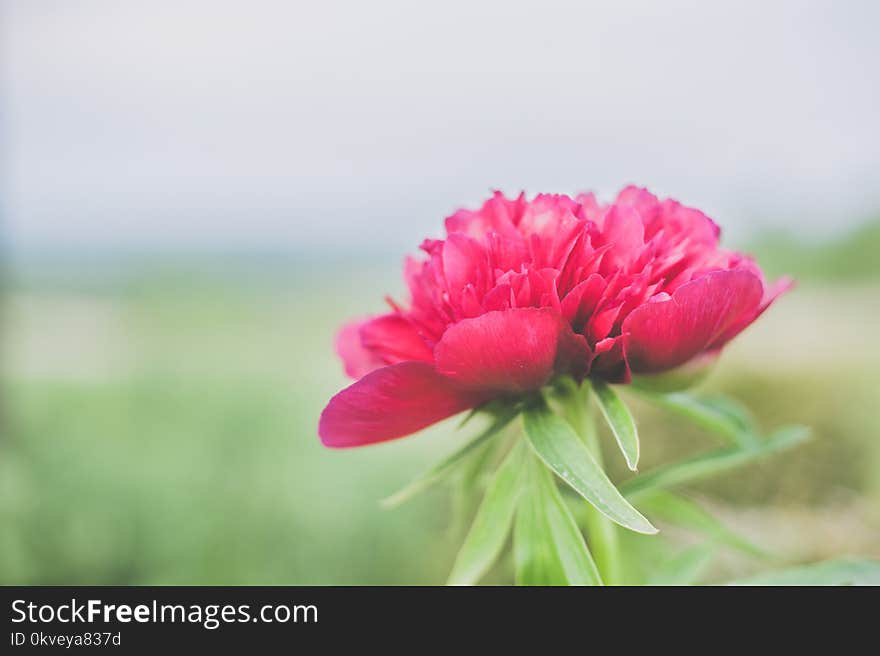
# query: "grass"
[[161, 429]]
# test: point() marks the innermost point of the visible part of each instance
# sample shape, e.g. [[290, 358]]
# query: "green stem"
[[601, 532]]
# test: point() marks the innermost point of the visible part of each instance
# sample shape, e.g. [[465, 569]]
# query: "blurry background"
[[195, 194]]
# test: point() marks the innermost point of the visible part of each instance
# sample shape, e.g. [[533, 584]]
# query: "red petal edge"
[[511, 350], [356, 359], [665, 334], [389, 403]]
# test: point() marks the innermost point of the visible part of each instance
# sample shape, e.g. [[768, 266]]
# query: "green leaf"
[[621, 421], [713, 462], [492, 523], [577, 563], [685, 568], [556, 443], [493, 408], [840, 571], [535, 559], [683, 512], [468, 482], [549, 548], [447, 465], [732, 411], [574, 401], [716, 414]]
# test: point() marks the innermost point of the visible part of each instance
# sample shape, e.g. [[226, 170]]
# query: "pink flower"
[[521, 291]]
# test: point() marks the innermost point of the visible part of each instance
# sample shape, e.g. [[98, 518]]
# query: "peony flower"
[[523, 290]]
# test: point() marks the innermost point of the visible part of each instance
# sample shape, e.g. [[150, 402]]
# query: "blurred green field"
[[159, 428]]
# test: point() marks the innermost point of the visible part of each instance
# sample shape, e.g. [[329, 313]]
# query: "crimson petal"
[[509, 351], [356, 358], [389, 403], [664, 334], [395, 339], [776, 290]]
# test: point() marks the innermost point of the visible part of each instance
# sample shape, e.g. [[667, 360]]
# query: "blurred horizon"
[[778, 251]]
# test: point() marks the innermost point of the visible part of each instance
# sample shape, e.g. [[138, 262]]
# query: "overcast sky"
[[362, 124]]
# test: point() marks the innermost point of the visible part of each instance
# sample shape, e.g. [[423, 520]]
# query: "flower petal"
[[394, 338], [509, 351], [609, 362], [391, 402], [369, 344], [663, 334], [775, 291], [578, 305], [623, 229], [356, 359], [498, 214]]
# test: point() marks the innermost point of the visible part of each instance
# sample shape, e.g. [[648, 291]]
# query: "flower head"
[[523, 290]]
